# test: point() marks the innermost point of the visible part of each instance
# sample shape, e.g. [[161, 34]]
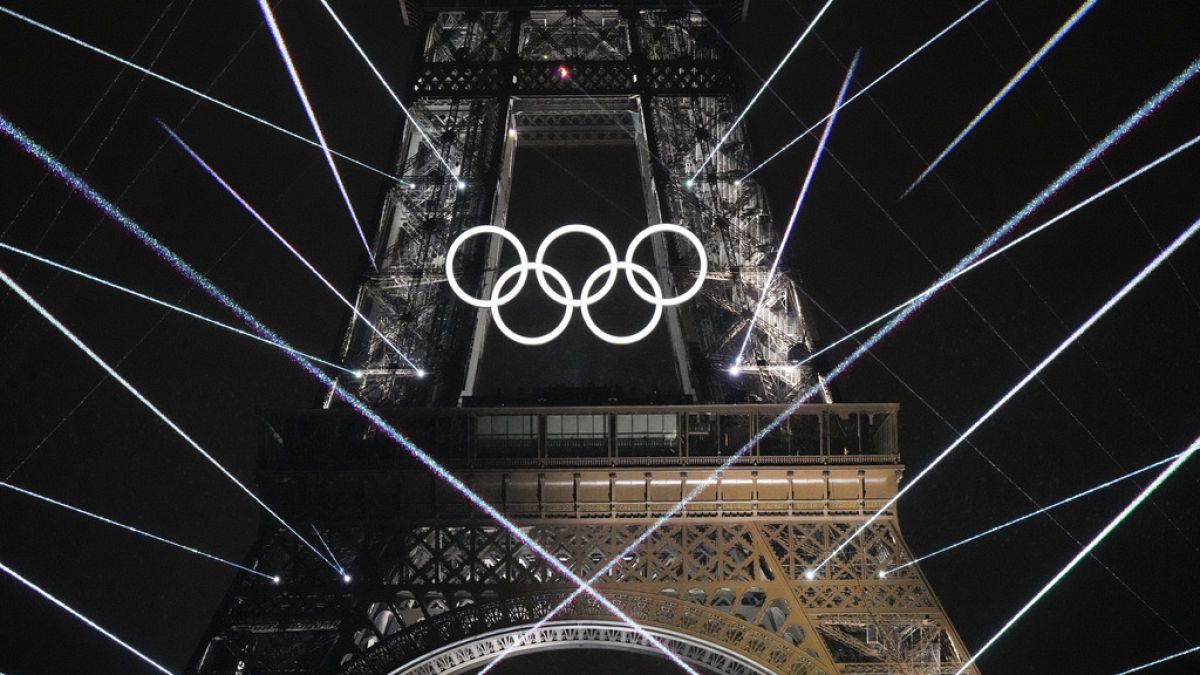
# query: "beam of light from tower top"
[[16, 288], [88, 622], [1029, 377], [212, 290], [862, 91], [1018, 240], [391, 92], [787, 232], [766, 83], [172, 307], [1088, 548], [135, 530], [330, 552], [263, 221], [1164, 659], [286, 55], [1145, 110], [191, 90], [1020, 519], [1029, 65]]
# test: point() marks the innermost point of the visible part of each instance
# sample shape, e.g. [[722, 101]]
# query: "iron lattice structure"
[[440, 588]]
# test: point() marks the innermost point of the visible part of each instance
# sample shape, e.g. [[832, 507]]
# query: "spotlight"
[[882, 574], [735, 370], [689, 183], [512, 132], [346, 578], [810, 574], [276, 579], [420, 373], [461, 184]]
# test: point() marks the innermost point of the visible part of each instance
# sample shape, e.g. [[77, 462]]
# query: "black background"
[[1132, 395]]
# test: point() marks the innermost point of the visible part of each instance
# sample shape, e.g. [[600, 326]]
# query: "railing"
[[596, 436]]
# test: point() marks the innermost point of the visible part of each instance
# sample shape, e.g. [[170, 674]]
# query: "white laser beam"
[[1156, 662]]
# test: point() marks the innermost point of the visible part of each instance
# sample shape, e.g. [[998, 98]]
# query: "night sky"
[[1126, 395]]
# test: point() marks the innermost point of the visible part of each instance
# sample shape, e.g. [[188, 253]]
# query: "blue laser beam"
[[211, 289], [263, 221], [16, 288], [286, 55], [787, 232], [91, 624], [172, 307], [1031, 514], [1029, 377], [1089, 547], [130, 528], [1029, 65], [191, 90], [1113, 136], [864, 90], [766, 83], [1164, 659], [1018, 240], [382, 80]]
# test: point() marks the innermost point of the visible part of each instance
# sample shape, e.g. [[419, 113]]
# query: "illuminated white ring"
[[629, 268], [523, 270], [576, 229], [692, 239]]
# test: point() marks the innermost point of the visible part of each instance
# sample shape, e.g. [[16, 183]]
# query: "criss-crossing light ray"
[[1018, 240], [263, 221], [286, 55], [191, 90], [16, 288], [787, 232], [1029, 65], [1164, 659], [766, 83], [1031, 514], [170, 306], [135, 530], [212, 290], [862, 91], [1029, 377], [88, 622], [332, 557], [382, 80], [1046, 193], [1091, 545]]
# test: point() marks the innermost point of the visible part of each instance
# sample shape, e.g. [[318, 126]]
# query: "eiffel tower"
[[528, 116]]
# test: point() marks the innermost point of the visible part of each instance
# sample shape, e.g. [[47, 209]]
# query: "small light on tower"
[[564, 72]]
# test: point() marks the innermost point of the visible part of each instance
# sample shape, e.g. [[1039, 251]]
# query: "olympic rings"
[[499, 297]]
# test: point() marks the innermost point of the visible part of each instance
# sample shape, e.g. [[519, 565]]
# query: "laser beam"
[[416, 125], [170, 306], [1031, 514], [187, 271], [263, 221], [766, 83], [862, 91], [787, 232], [16, 288], [1089, 547], [135, 530], [1164, 659], [269, 16], [1029, 65], [88, 622], [1029, 377], [179, 85], [330, 552]]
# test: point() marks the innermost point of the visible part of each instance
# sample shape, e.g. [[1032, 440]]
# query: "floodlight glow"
[[263, 221], [88, 622], [766, 83], [312, 118], [1031, 514], [564, 72], [1164, 659], [1029, 377], [347, 578], [167, 305], [1091, 545], [130, 528], [810, 574], [1029, 65], [787, 232], [277, 579], [460, 184], [200, 280], [862, 91], [416, 125], [178, 85]]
